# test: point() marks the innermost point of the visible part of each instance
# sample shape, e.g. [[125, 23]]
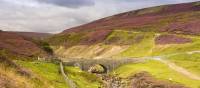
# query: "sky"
[[54, 16]]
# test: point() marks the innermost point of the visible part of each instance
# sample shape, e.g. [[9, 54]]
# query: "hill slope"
[[167, 18], [16, 45], [145, 32]]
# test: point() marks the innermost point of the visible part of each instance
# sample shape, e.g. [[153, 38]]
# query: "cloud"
[[57, 15], [69, 3]]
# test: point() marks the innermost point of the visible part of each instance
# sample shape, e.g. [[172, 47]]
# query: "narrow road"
[[67, 80], [178, 68]]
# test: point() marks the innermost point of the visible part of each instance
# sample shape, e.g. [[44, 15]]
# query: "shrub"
[[45, 46], [48, 49]]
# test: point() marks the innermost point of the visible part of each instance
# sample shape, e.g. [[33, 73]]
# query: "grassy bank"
[[82, 79], [49, 72], [190, 62], [158, 70]]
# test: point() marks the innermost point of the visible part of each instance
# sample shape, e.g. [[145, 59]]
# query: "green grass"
[[142, 48], [82, 79], [47, 71], [190, 62], [122, 37], [70, 38], [16, 80], [158, 70]]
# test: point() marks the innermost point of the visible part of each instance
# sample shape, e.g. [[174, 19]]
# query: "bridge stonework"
[[108, 64]]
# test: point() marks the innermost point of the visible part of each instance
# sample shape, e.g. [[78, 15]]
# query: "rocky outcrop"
[[139, 80], [145, 80], [113, 81]]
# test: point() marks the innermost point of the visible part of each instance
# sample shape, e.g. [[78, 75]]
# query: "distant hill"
[[34, 35]]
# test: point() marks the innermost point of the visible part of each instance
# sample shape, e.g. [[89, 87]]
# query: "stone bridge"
[[108, 64]]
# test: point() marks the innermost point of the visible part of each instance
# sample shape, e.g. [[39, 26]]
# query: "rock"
[[97, 68]]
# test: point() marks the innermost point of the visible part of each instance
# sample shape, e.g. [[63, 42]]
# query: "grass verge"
[[47, 71], [82, 79], [158, 70]]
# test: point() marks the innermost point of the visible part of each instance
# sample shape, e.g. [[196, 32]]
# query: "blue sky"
[[54, 16]]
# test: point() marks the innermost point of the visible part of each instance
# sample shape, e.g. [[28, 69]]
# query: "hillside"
[[19, 67], [16, 45], [34, 35], [147, 31], [166, 18]]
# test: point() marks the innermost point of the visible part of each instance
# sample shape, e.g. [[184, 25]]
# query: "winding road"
[[178, 68]]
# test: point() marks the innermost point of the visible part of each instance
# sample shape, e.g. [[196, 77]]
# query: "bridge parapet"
[[109, 64]]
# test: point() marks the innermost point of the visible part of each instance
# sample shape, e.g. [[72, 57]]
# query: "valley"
[[157, 47]]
